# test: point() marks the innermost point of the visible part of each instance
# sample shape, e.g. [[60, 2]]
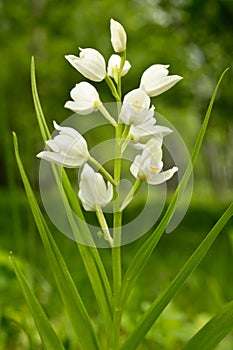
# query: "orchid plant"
[[135, 126]]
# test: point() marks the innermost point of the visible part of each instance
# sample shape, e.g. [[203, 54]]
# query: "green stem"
[[104, 225], [102, 170], [112, 88], [116, 250], [123, 58], [107, 115], [130, 194]]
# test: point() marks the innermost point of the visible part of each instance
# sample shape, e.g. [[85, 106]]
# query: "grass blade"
[[214, 331], [73, 303], [141, 257], [39, 112], [47, 334], [163, 300]]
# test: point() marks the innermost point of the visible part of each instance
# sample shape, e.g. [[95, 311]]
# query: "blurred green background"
[[195, 38]]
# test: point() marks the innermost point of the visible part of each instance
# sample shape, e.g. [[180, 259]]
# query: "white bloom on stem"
[[93, 191], [155, 80], [148, 165], [118, 36], [69, 148], [90, 64], [148, 128], [86, 99], [114, 63], [135, 108]]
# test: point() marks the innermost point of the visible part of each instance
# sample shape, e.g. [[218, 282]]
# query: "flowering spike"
[[113, 68]]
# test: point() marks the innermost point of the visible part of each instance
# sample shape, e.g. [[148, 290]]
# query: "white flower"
[[148, 165], [148, 128], [155, 80], [93, 191], [118, 36], [69, 148], [114, 66], [90, 64], [135, 108], [86, 99]]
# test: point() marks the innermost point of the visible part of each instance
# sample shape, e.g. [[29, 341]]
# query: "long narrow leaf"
[[141, 257], [163, 300], [39, 112], [47, 334], [214, 331], [75, 308]]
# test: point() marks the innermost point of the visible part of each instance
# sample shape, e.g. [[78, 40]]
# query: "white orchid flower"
[[69, 148], [135, 108], [118, 36], [86, 99], [148, 165], [93, 191], [114, 66], [155, 80], [90, 64], [147, 129]]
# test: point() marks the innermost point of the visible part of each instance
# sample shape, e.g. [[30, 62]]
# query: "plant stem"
[[116, 250], [107, 115], [104, 225], [102, 170], [112, 88], [130, 194]]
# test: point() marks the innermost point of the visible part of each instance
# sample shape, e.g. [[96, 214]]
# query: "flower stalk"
[[104, 225], [102, 170]]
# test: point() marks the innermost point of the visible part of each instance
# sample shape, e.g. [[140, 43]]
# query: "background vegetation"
[[195, 38]]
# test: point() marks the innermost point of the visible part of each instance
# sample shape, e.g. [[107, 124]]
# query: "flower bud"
[[114, 66], [118, 36]]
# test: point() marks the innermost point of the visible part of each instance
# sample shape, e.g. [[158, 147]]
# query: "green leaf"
[[47, 334], [74, 306], [143, 254], [39, 112], [214, 331], [156, 308]]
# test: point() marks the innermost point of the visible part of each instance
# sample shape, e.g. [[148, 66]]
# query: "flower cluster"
[[135, 124]]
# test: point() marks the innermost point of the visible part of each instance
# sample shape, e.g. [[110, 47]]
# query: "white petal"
[[73, 60], [163, 85], [60, 159], [114, 62], [153, 73], [84, 91], [156, 179], [65, 130], [79, 108], [138, 99], [54, 147]]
